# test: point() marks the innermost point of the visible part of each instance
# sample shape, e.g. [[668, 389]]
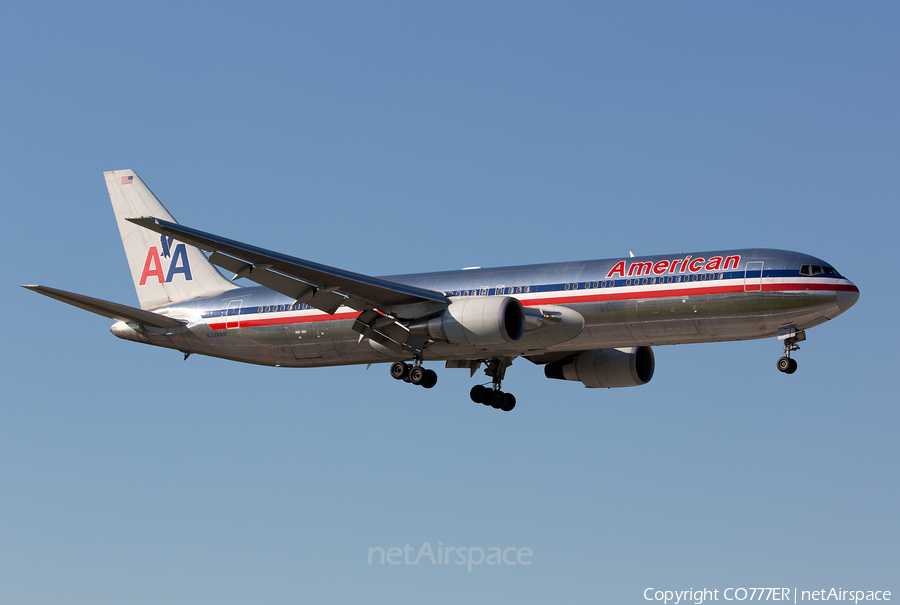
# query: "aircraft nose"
[[847, 298]]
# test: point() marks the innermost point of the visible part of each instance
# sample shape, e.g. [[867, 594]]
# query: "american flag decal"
[[127, 180]]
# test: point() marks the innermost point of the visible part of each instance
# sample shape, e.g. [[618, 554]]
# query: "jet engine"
[[606, 368], [479, 321]]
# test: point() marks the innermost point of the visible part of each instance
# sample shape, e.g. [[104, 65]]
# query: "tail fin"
[[164, 271]]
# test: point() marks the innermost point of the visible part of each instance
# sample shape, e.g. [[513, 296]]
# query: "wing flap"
[[362, 291], [301, 292], [109, 309]]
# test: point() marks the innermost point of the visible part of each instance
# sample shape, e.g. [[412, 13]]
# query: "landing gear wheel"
[[509, 404], [787, 365], [417, 375], [498, 398], [478, 393], [430, 379], [784, 363], [399, 370]]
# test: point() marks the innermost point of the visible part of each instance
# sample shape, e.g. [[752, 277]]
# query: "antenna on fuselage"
[[631, 253]]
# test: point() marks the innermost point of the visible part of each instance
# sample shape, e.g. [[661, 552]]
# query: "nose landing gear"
[[791, 336]]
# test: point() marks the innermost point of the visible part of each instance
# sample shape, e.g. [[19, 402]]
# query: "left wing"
[[320, 286]]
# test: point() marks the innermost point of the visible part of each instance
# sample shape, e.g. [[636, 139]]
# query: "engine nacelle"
[[479, 321], [606, 368]]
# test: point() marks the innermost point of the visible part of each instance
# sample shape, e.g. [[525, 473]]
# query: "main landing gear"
[[791, 336], [489, 396], [414, 374], [494, 397]]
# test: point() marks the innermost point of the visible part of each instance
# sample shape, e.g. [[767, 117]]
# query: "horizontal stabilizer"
[[109, 309]]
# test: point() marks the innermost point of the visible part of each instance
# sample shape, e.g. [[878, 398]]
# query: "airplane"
[[593, 322]]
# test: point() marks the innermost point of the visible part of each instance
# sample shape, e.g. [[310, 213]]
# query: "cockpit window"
[[818, 270]]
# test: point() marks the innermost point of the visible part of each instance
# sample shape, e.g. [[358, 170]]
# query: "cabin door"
[[233, 314], [753, 276]]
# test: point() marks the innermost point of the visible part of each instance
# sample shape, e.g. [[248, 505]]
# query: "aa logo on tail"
[[178, 262]]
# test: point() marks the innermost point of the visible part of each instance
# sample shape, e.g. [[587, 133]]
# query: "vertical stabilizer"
[[164, 270]]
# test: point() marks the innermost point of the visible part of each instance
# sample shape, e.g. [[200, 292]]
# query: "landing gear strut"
[[493, 396], [791, 336], [415, 374]]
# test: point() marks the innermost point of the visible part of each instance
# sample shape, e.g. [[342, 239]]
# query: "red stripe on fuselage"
[[680, 292], [594, 296], [277, 321]]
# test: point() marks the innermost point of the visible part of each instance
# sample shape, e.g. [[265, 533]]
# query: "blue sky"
[[403, 137]]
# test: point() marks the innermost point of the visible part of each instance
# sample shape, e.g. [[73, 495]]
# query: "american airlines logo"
[[681, 265], [177, 262]]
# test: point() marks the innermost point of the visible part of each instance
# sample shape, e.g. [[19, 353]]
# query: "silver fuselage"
[[657, 300]]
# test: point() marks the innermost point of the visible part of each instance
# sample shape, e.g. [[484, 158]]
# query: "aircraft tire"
[[478, 393], [792, 367], [399, 370], [784, 365], [498, 398], [417, 375], [430, 379], [509, 404]]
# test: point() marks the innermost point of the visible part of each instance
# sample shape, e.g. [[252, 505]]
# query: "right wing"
[[320, 286]]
